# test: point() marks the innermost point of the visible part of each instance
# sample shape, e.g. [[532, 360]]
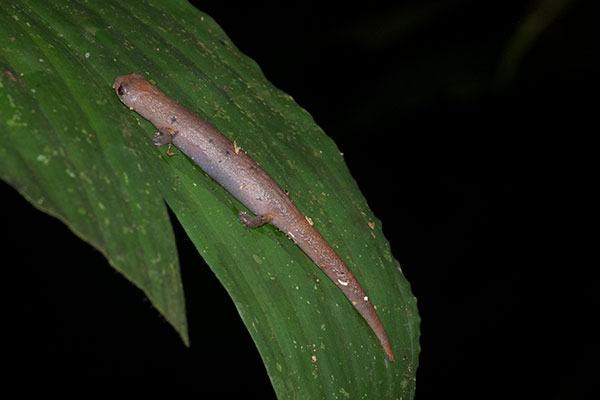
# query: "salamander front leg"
[[165, 136], [254, 222]]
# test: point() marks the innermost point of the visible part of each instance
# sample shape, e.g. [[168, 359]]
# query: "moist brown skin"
[[241, 176]]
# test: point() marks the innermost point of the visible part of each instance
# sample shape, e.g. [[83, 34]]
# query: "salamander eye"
[[122, 89]]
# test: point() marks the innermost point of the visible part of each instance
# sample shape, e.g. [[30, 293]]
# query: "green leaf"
[[74, 151]]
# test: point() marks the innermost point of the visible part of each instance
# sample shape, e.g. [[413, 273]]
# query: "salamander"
[[244, 179]]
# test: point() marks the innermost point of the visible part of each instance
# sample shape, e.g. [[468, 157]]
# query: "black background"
[[470, 168]]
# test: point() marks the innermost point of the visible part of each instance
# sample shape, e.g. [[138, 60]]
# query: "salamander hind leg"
[[254, 222]]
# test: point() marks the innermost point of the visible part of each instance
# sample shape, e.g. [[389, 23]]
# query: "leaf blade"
[[312, 341]]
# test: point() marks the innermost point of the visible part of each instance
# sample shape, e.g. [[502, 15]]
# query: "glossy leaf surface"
[[74, 151]]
